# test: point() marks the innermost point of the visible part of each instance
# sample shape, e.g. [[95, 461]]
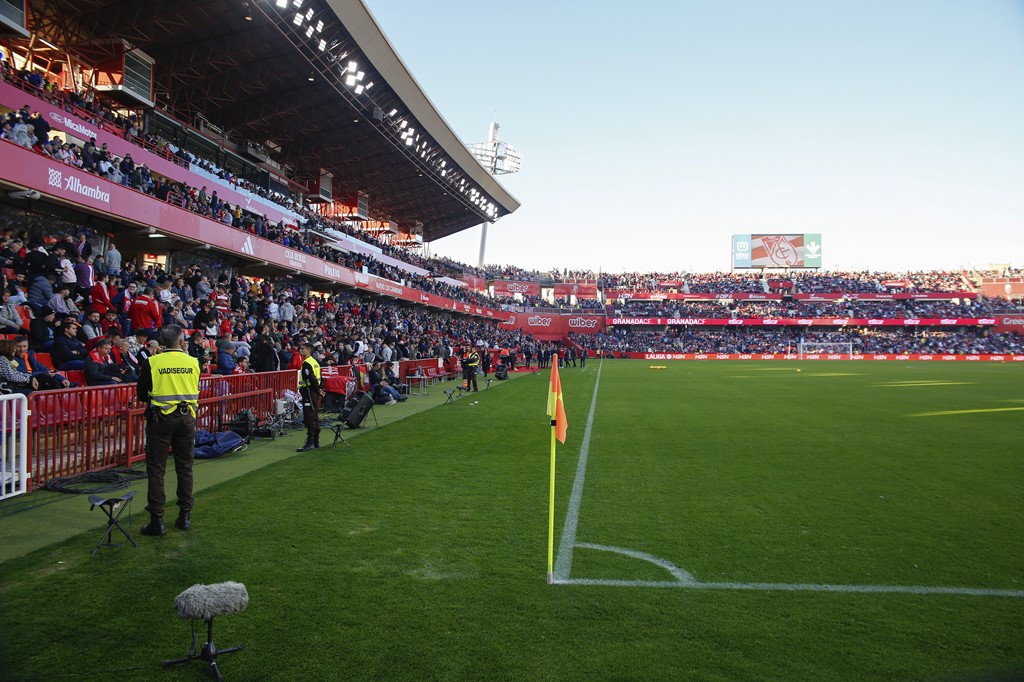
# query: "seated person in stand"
[[41, 329], [101, 370], [15, 381], [225, 358], [380, 389], [27, 363], [10, 318], [394, 381], [242, 366], [68, 352]]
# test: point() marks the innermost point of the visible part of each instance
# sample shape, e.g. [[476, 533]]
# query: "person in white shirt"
[[66, 267]]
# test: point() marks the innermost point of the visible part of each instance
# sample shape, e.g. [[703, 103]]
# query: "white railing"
[[13, 445]]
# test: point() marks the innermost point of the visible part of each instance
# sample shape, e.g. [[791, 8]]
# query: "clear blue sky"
[[653, 131]]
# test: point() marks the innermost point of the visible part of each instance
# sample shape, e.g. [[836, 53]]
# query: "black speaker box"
[[501, 373], [359, 412]]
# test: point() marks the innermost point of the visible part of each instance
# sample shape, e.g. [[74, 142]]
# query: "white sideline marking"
[[563, 563], [683, 579]]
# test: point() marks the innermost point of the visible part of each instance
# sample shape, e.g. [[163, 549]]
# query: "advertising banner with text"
[[1010, 323], [546, 327], [805, 322], [820, 356], [504, 287], [613, 294]]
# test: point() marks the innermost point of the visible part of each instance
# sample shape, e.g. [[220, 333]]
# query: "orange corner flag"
[[556, 410]]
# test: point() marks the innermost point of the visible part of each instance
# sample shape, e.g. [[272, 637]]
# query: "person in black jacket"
[[263, 354], [41, 329], [67, 351]]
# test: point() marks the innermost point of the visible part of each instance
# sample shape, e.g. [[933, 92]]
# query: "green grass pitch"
[[420, 553]]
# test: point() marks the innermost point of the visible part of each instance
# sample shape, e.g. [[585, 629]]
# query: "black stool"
[[451, 394], [488, 384], [109, 506], [206, 602]]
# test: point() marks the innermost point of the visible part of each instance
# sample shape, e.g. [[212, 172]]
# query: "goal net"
[[825, 348]]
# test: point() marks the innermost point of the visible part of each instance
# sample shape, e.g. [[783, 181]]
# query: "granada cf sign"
[[776, 251]]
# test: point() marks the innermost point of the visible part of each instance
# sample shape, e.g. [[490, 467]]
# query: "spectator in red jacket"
[[145, 312], [101, 294]]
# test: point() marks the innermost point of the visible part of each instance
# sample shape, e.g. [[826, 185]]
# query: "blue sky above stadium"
[[653, 131]]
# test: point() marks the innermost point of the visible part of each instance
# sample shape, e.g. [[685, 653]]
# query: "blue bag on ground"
[[209, 445]]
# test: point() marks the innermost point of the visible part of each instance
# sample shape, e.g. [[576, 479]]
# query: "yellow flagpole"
[[551, 511], [551, 494]]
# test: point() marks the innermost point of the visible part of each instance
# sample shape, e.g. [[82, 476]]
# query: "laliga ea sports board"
[[776, 251]]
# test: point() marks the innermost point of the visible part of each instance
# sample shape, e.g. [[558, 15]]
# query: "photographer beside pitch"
[[169, 382]]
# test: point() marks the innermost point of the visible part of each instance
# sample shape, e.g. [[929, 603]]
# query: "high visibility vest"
[[311, 361], [175, 380], [472, 359]]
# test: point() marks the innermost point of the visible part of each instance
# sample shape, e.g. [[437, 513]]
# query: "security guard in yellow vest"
[[311, 389], [470, 361], [169, 382]]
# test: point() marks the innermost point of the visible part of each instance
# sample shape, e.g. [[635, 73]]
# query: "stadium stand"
[[215, 209]]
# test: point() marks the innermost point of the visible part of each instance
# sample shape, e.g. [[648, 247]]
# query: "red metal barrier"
[[84, 429]]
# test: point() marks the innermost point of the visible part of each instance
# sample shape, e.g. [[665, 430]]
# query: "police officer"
[[470, 361], [169, 382], [311, 389]]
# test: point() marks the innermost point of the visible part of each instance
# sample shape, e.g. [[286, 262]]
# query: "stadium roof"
[[316, 78]]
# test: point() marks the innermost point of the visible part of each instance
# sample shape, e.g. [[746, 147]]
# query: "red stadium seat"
[[45, 359]]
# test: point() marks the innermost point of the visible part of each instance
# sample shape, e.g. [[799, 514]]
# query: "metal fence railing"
[[14, 473], [77, 430]]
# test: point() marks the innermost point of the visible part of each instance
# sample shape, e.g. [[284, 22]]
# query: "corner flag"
[[559, 424], [556, 410]]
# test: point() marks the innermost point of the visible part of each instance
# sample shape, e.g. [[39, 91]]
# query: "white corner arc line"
[[563, 562], [681, 576]]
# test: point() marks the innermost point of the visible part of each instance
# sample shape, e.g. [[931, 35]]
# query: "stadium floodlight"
[[359, 89], [309, 31], [322, 45], [282, 4], [309, 14], [298, 3], [352, 67], [392, 112], [298, 19], [498, 158], [319, 26]]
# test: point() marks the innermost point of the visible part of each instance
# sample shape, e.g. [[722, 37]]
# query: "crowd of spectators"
[[961, 341], [807, 309], [94, 312]]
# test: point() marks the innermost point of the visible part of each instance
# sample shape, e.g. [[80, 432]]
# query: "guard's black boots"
[[316, 442], [306, 447], [155, 525], [184, 521]]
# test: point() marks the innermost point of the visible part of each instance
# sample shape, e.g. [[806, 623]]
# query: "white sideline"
[[683, 579], [563, 562]]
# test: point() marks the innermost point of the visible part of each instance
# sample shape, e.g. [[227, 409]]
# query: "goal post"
[[805, 348]]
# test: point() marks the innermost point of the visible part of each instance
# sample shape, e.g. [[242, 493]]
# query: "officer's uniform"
[[309, 387], [469, 364], [169, 382]]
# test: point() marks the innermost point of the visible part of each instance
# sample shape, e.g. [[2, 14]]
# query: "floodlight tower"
[[499, 158]]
